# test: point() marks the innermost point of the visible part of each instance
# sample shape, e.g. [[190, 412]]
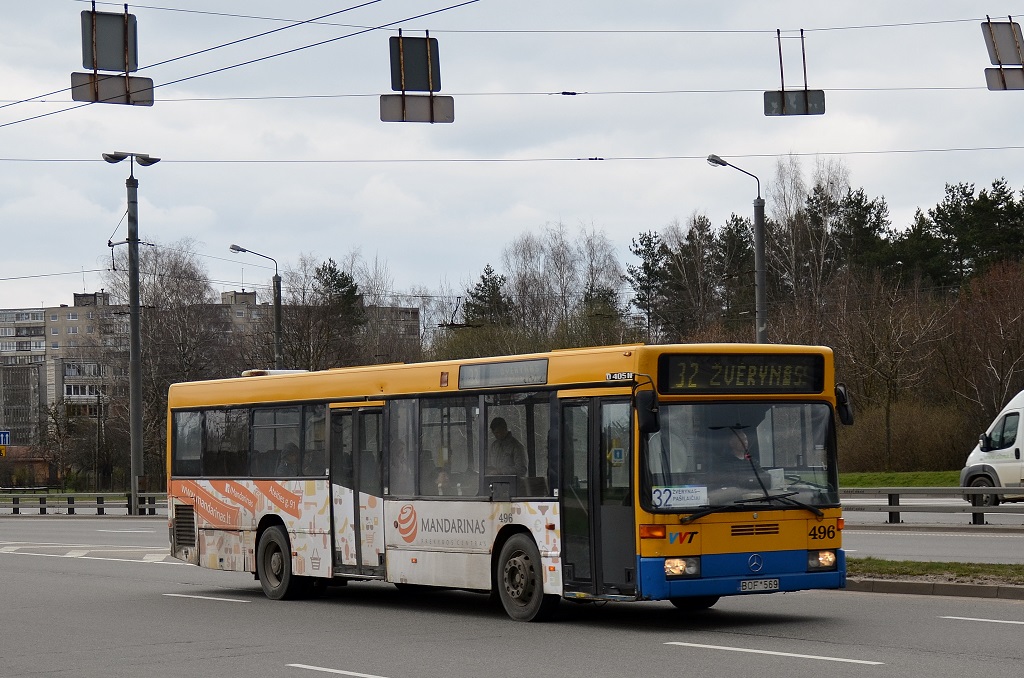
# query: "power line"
[[540, 159], [573, 93], [210, 49], [573, 31]]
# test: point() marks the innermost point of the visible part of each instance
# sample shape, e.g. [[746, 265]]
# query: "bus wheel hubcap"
[[517, 577]]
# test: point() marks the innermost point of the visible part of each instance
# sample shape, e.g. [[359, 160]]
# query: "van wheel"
[[520, 580], [985, 500]]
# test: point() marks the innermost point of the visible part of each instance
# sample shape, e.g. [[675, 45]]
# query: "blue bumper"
[[722, 575]]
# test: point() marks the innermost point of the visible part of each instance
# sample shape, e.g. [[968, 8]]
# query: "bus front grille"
[[184, 525], [755, 529]]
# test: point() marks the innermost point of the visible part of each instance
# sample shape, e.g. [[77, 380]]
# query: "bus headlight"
[[677, 568], [821, 560]]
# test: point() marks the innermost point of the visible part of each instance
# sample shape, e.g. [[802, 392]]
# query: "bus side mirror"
[[843, 405], [647, 411]]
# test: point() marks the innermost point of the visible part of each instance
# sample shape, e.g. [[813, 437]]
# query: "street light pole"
[[760, 304], [278, 355], [134, 321]]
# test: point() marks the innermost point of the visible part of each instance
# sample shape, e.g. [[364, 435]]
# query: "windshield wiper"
[[707, 512], [785, 499]]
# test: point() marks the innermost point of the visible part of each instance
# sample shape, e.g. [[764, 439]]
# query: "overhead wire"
[[211, 49], [572, 31]]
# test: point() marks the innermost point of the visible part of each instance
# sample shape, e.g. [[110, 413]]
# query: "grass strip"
[[907, 479], [987, 573]]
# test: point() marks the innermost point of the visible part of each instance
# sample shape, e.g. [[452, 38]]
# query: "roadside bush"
[[924, 438]]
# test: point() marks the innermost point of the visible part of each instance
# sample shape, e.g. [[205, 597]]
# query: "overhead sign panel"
[[415, 65], [795, 102], [111, 89], [416, 108], [109, 42], [1004, 41], [1004, 78]]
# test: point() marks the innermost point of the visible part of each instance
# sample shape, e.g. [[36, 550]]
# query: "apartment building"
[[62, 355]]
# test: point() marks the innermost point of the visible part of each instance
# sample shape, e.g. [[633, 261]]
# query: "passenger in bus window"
[[433, 480], [506, 456], [289, 462]]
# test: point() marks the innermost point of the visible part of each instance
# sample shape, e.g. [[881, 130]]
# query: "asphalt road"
[[88, 597]]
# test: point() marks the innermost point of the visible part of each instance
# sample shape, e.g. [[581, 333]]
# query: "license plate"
[[750, 585]]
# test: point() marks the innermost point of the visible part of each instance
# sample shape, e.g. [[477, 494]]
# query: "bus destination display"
[[709, 373]]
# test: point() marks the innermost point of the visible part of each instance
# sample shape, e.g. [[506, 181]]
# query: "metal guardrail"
[[43, 503], [958, 494], [69, 502]]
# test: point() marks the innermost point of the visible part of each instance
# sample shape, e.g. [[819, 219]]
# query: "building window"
[[73, 330], [53, 317], [54, 330], [72, 316], [55, 344]]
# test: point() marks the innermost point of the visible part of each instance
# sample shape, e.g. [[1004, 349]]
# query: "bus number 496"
[[822, 532]]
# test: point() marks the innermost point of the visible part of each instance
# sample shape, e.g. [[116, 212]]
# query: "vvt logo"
[[681, 537]]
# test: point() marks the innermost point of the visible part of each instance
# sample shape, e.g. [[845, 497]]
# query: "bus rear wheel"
[[694, 603], [274, 565], [520, 581]]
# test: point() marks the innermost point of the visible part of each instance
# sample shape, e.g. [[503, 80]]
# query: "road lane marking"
[[339, 672], [112, 560], [991, 621], [778, 654], [221, 600]]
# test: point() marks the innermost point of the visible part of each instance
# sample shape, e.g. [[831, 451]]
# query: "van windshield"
[[710, 455]]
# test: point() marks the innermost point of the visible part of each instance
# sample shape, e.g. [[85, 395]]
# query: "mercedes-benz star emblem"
[[755, 562]]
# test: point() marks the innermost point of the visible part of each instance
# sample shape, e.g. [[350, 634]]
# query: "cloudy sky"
[[287, 155]]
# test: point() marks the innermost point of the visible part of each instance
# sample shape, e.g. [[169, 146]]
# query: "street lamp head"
[[143, 159], [237, 248], [715, 161]]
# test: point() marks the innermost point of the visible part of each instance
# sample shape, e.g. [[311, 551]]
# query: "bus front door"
[[357, 509], [597, 501]]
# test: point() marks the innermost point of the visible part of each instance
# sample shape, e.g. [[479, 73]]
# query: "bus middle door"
[[357, 509], [598, 540]]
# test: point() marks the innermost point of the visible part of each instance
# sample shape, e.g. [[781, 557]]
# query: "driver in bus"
[[507, 456], [734, 464]]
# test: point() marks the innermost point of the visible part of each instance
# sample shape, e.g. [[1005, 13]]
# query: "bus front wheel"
[[694, 603], [274, 565], [520, 581]]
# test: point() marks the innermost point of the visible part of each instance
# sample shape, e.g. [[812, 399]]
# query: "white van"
[[996, 460]]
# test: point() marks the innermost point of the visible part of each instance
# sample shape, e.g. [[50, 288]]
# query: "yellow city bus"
[[627, 473]]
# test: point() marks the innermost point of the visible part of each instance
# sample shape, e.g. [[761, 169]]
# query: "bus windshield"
[[716, 455]]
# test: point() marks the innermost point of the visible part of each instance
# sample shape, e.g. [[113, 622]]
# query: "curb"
[[922, 588]]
